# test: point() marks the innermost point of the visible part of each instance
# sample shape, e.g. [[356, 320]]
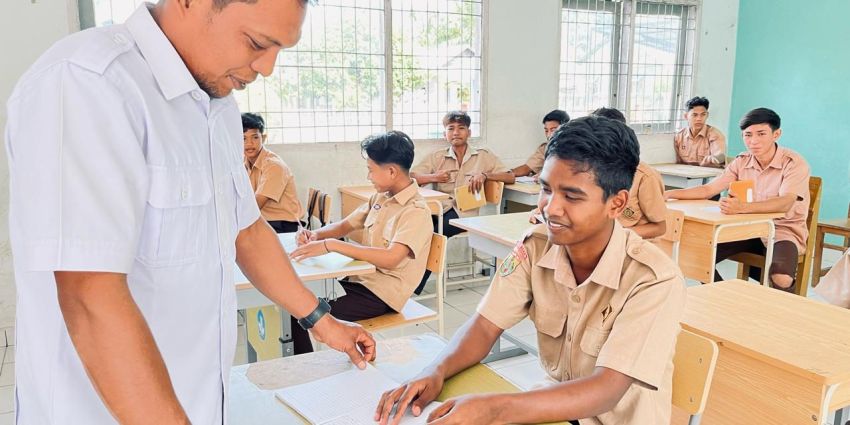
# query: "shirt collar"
[[607, 271], [470, 150], [407, 193], [701, 133], [263, 154], [776, 162], [169, 70]]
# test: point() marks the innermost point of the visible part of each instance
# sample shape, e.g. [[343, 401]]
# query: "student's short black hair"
[[459, 117], [392, 147], [253, 122], [607, 148], [761, 116], [696, 101], [610, 113], [562, 117]]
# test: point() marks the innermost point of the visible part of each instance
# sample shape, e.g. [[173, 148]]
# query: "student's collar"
[[607, 271], [169, 70], [469, 152], [261, 156], [775, 162], [407, 193], [703, 132]]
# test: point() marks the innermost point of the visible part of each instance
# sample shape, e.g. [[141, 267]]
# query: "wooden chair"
[[693, 370], [318, 206], [414, 312], [669, 241], [840, 248], [804, 260]]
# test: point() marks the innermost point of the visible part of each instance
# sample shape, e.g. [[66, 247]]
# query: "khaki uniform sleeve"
[[273, 180], [495, 165], [507, 301], [414, 230], [717, 144], [535, 161], [795, 179], [425, 166], [643, 336], [357, 218], [730, 173], [677, 143], [651, 198]]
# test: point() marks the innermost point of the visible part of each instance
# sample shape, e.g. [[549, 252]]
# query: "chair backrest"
[[815, 184], [437, 256], [693, 369], [493, 191], [669, 241], [319, 206]]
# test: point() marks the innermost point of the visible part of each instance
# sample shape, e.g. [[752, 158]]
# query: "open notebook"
[[346, 398]]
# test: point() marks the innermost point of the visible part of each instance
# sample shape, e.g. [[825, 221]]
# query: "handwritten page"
[[346, 398]]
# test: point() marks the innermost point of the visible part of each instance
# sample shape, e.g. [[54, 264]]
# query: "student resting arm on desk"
[[781, 185], [606, 304]]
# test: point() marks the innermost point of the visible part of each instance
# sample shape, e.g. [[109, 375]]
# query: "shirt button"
[[119, 39], [569, 337], [196, 95], [184, 194], [635, 251], [576, 298]]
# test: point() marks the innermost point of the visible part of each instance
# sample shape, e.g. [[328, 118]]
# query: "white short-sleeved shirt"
[[120, 163]]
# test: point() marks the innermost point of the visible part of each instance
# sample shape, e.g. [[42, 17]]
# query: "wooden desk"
[[838, 226], [252, 387], [705, 227], [782, 357], [521, 193], [276, 321], [494, 234], [685, 176]]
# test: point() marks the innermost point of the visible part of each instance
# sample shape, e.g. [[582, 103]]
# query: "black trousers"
[[358, 303], [448, 231], [281, 226], [784, 258]]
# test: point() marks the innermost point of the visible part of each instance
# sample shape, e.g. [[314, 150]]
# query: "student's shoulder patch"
[[518, 255]]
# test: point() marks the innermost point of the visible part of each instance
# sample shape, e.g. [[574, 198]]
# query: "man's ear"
[[617, 203]]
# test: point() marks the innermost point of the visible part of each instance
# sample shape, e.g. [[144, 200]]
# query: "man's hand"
[[309, 250], [535, 217], [732, 206], [441, 177], [709, 161], [303, 236], [476, 182], [349, 338], [417, 394], [467, 410]]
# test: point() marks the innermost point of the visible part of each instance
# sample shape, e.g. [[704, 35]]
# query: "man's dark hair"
[[459, 117], [221, 4], [392, 147], [607, 148], [253, 122], [761, 116], [610, 113], [696, 101], [557, 115]]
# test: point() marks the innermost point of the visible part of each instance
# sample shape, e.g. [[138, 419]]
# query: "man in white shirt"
[[129, 207]]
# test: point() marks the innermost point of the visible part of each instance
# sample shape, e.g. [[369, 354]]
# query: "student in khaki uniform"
[[397, 237], [781, 178], [534, 164], [271, 179], [458, 165], [646, 212], [606, 304], [699, 143]]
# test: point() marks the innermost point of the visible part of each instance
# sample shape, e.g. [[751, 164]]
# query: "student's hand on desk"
[[309, 250], [349, 338], [536, 178], [303, 236], [466, 410], [732, 206], [476, 182], [424, 388], [535, 217], [709, 161]]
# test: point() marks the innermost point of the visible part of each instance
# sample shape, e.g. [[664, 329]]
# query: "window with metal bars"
[[334, 85], [636, 56]]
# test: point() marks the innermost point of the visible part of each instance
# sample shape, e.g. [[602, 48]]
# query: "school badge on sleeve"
[[516, 256]]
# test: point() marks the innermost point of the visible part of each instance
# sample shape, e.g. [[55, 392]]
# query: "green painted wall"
[[794, 58]]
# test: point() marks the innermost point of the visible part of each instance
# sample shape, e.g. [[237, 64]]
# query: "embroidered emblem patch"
[[516, 256], [628, 212]]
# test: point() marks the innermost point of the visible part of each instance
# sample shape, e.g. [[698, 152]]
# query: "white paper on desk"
[[525, 179], [712, 209], [347, 398]]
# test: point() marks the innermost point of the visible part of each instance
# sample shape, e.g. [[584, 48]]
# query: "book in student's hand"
[[742, 189], [467, 200], [346, 398]]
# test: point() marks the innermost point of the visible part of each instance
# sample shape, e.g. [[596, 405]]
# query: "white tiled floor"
[[523, 371]]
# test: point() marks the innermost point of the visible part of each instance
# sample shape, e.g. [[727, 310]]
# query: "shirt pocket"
[[593, 340], [550, 334], [175, 218]]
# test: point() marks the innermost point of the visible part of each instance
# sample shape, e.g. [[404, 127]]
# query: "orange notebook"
[[743, 190], [467, 200]]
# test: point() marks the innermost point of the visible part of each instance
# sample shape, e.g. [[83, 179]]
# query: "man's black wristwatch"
[[310, 320]]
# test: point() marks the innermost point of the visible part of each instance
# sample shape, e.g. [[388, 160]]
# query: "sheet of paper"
[[478, 195], [347, 398], [525, 179], [712, 209]]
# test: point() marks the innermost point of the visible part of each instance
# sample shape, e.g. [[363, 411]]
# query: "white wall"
[[521, 84], [27, 28]]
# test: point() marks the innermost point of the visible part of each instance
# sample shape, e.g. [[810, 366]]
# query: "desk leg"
[[817, 262], [287, 345], [768, 255]]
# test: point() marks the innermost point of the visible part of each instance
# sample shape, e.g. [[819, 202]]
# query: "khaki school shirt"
[[692, 150], [536, 160], [405, 219], [271, 177], [476, 161], [624, 317], [646, 198]]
